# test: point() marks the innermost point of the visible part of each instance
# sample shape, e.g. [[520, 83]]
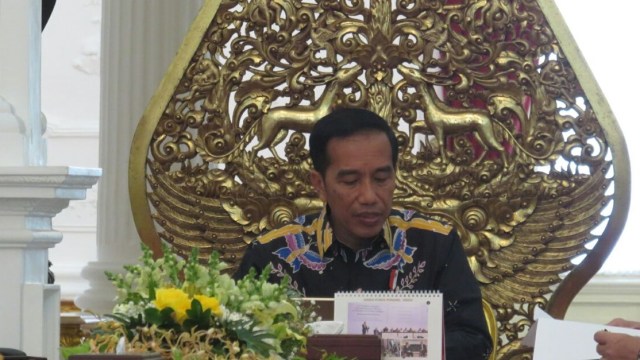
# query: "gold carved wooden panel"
[[503, 132]]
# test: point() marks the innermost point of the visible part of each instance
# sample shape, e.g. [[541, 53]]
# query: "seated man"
[[358, 242]]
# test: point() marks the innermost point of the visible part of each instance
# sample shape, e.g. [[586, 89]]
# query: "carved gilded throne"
[[503, 132]]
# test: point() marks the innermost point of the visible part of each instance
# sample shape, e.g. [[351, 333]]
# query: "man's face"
[[358, 186]]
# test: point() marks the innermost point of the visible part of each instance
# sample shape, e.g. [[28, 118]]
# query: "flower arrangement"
[[183, 309]]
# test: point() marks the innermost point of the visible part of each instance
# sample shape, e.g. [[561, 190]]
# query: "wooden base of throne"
[[361, 347]]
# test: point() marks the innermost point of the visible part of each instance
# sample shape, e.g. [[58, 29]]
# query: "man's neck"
[[345, 239], [352, 243]]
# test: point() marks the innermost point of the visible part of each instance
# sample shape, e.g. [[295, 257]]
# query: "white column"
[[29, 198], [139, 40], [20, 82]]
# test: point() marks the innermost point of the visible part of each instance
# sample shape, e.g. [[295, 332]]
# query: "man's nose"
[[367, 192]]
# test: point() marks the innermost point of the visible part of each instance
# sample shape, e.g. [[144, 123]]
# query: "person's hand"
[[624, 323], [616, 346]]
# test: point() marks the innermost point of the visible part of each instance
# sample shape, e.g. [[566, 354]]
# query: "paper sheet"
[[553, 339]]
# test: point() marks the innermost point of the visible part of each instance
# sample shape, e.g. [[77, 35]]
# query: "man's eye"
[[350, 181], [382, 179]]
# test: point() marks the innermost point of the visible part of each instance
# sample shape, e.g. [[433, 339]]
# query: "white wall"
[[605, 33]]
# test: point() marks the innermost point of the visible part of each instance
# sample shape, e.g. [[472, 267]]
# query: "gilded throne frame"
[[535, 179]]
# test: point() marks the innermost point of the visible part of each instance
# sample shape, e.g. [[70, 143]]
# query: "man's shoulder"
[[296, 230], [411, 219]]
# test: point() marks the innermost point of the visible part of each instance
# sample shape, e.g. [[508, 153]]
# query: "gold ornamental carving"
[[503, 133]]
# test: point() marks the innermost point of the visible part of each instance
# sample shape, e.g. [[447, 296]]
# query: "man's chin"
[[369, 235], [372, 225]]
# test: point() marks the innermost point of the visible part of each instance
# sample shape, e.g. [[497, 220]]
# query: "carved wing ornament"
[[503, 133]]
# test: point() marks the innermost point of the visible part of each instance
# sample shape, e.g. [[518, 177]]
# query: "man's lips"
[[369, 218]]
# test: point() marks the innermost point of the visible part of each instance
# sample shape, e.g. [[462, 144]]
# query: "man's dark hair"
[[342, 123]]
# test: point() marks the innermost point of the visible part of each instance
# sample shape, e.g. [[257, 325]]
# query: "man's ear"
[[318, 183]]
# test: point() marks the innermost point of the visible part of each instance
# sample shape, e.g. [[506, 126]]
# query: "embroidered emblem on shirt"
[[280, 272], [343, 255], [408, 214], [297, 253], [407, 282], [362, 254], [453, 306], [407, 221], [300, 219], [399, 255]]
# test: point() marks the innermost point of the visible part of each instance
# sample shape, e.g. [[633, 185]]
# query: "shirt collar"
[[324, 231]]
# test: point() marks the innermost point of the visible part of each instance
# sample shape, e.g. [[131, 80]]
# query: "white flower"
[[233, 316], [130, 309], [120, 347]]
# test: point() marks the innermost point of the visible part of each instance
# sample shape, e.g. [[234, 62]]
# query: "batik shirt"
[[412, 252]]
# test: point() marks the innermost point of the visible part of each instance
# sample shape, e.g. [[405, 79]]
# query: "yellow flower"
[[209, 303], [176, 299]]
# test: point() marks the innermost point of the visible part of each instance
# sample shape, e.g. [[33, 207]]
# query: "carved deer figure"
[[302, 118], [444, 120]]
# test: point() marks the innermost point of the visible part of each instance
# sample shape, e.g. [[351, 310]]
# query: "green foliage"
[[163, 319], [83, 348], [181, 308], [197, 318], [257, 340], [129, 322], [333, 356]]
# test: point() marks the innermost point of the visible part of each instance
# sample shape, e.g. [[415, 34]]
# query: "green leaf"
[[121, 318], [255, 340], [196, 318], [129, 322], [162, 318], [244, 332], [196, 307], [67, 351]]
